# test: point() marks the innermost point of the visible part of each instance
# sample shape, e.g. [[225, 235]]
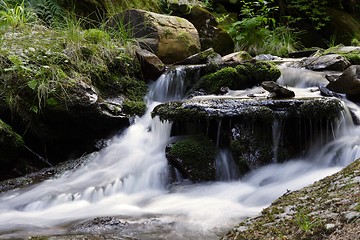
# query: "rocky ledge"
[[327, 209], [264, 108]]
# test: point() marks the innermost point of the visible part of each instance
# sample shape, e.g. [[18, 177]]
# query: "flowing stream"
[[129, 179]]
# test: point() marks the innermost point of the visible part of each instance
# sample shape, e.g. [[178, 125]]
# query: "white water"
[[129, 179]]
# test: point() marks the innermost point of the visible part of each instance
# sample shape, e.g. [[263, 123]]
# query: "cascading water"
[[276, 134], [128, 179]]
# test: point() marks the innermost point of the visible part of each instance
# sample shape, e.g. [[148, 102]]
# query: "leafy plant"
[[49, 11], [258, 31], [305, 221], [15, 17], [312, 10]]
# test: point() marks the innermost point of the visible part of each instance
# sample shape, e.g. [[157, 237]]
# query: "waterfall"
[[276, 135], [226, 168], [128, 179]]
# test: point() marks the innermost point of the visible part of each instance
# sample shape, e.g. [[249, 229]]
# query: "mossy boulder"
[[244, 75], [351, 53], [211, 34], [194, 157], [171, 38]]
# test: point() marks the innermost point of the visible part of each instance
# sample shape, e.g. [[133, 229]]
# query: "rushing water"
[[128, 179]]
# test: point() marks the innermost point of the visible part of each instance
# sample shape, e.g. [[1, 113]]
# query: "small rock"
[[351, 216], [329, 226], [152, 67], [276, 90]]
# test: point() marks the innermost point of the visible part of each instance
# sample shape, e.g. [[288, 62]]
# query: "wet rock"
[[41, 175], [334, 62], [266, 57], [237, 57], [248, 108], [100, 225], [348, 83], [324, 91], [199, 58], [151, 66], [277, 91], [246, 126], [170, 38]]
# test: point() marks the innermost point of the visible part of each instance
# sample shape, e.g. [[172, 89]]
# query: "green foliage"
[[49, 11], [312, 10], [96, 36], [114, 7], [258, 31], [134, 107], [15, 17], [305, 221], [355, 42]]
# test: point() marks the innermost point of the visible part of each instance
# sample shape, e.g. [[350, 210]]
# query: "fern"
[[48, 11]]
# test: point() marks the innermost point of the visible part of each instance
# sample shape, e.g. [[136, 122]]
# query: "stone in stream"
[[277, 91], [348, 83]]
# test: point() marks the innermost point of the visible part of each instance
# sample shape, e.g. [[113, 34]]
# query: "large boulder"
[[334, 62], [170, 38], [348, 83], [212, 35]]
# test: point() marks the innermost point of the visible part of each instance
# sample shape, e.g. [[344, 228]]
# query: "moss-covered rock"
[[170, 38], [352, 54], [212, 83], [244, 75], [194, 157], [211, 34]]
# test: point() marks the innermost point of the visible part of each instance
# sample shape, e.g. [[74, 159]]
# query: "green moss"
[[245, 75], [197, 154], [184, 37], [134, 107], [174, 111], [259, 71], [213, 82], [96, 36], [326, 108]]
